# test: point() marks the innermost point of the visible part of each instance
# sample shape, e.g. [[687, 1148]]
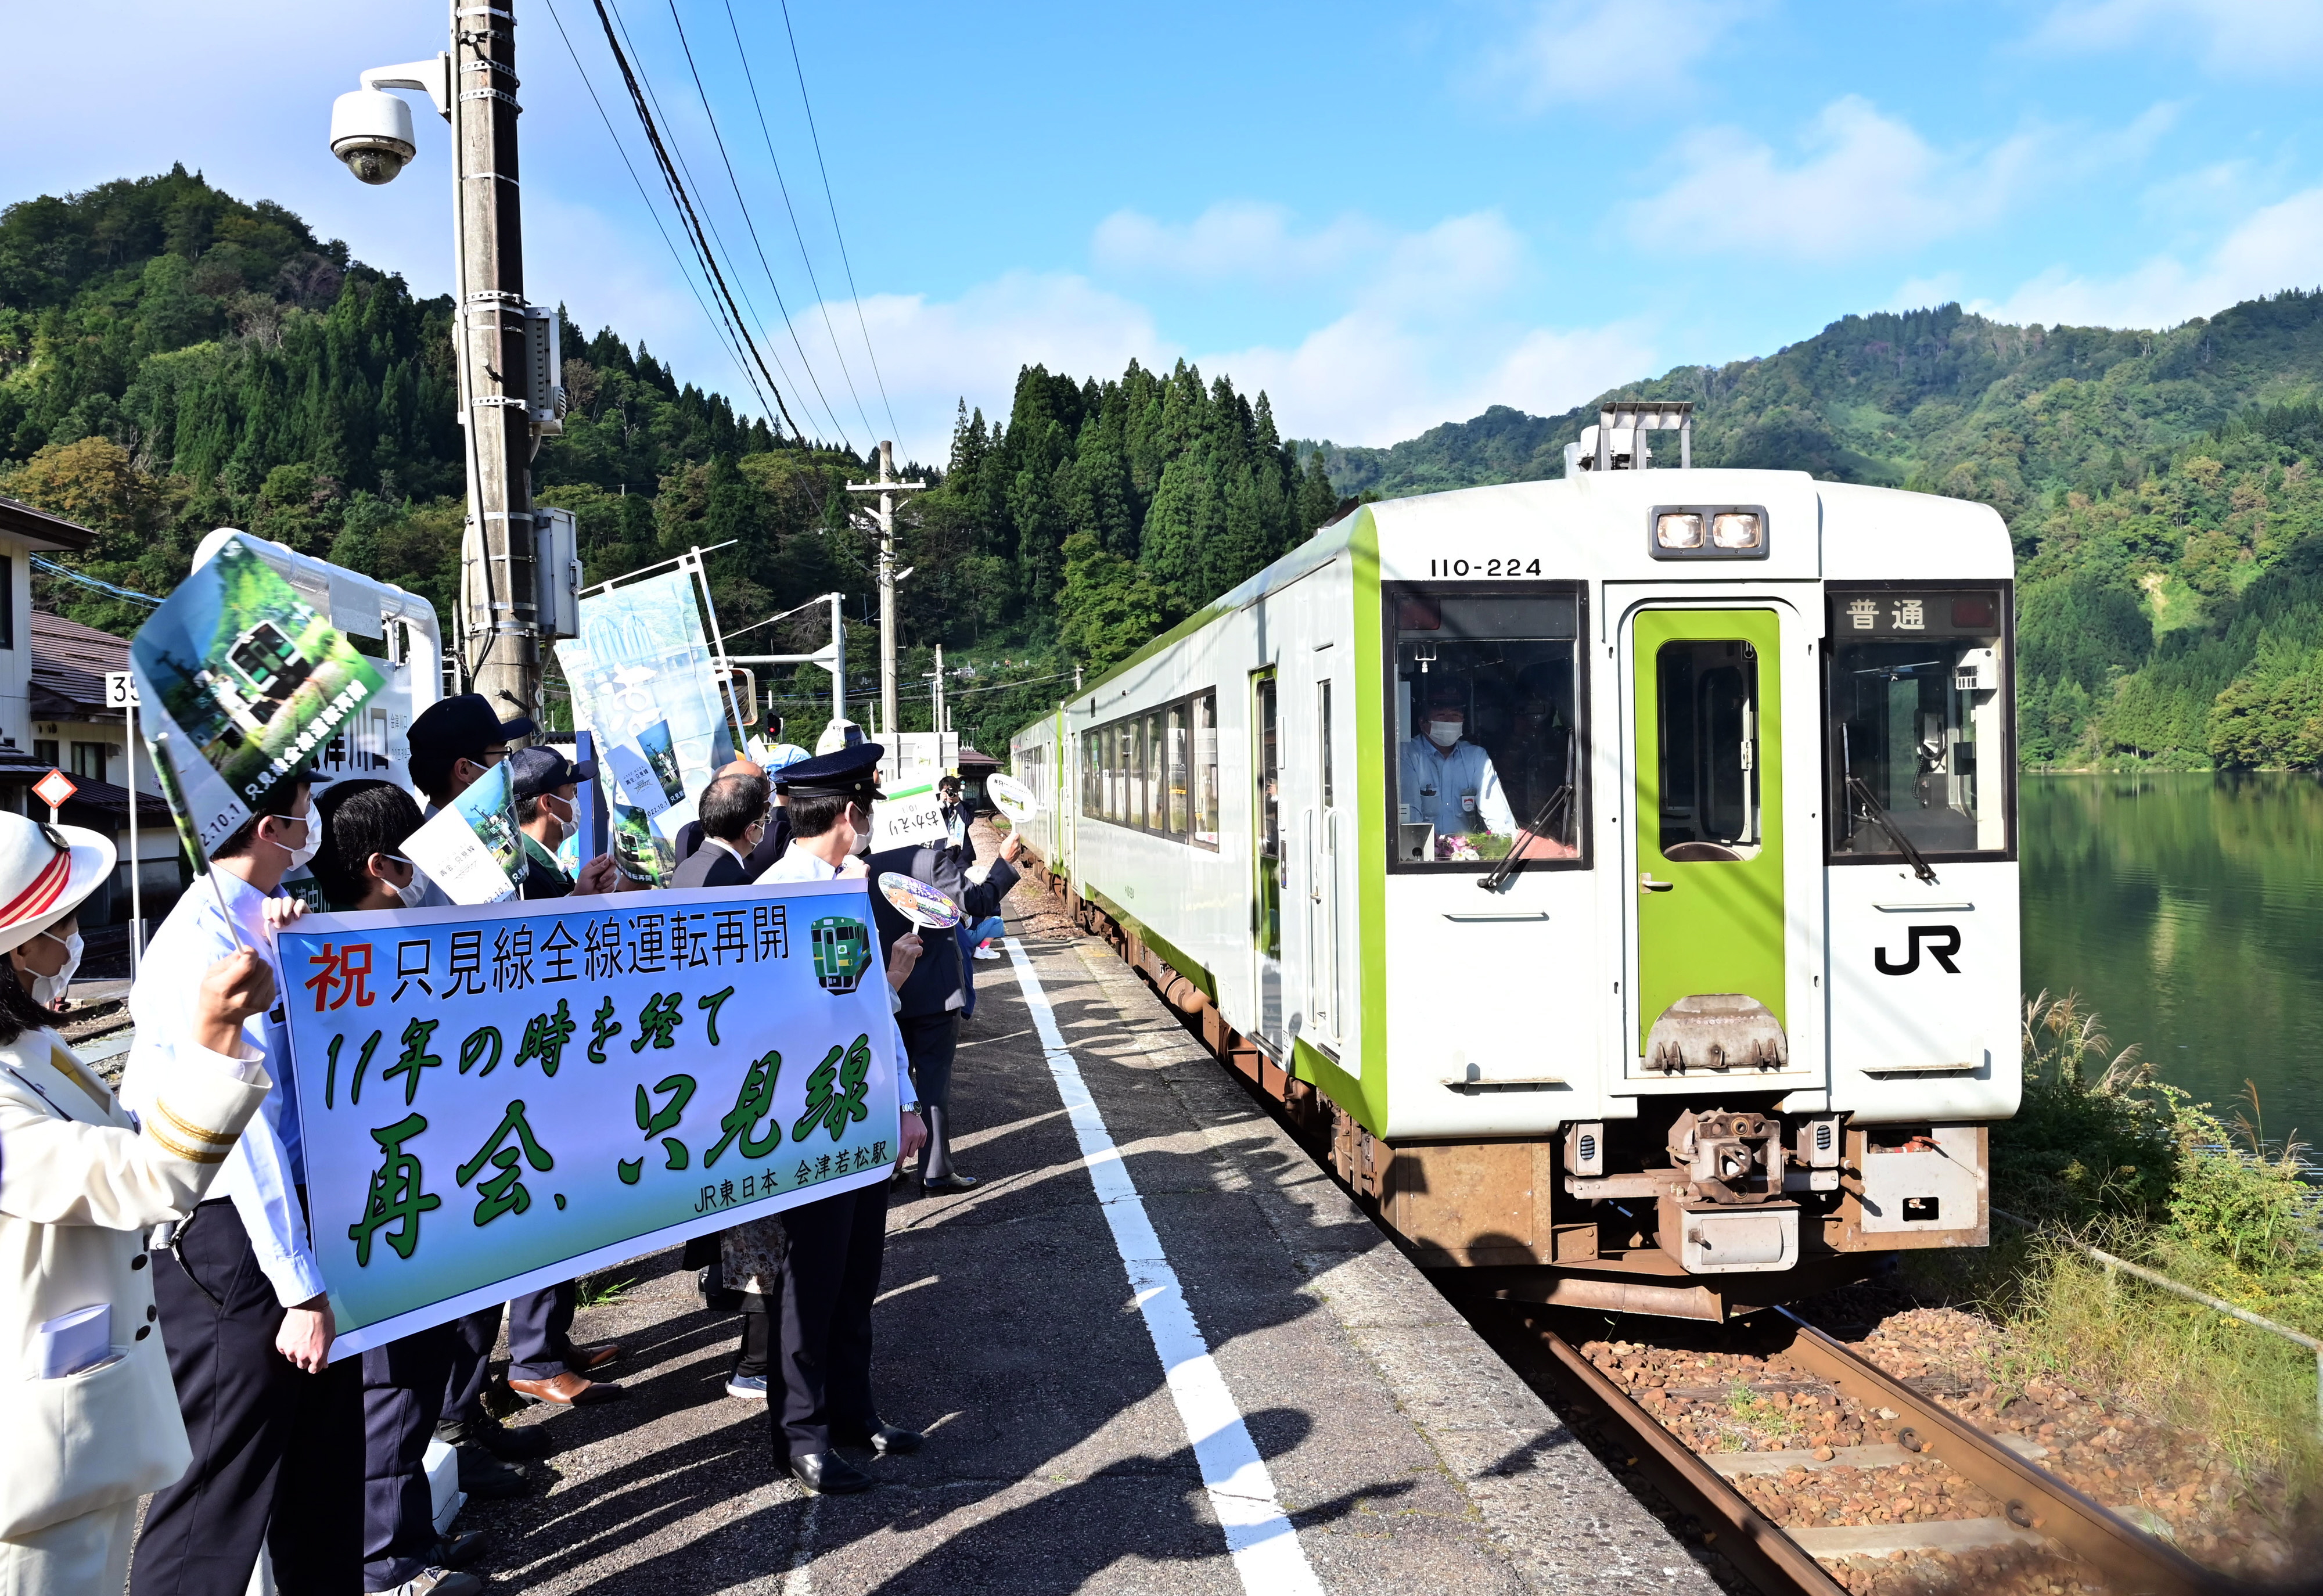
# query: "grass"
[[597, 1291], [2102, 1151]]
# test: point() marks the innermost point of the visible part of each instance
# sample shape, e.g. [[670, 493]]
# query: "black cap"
[[543, 769], [847, 773], [460, 728]]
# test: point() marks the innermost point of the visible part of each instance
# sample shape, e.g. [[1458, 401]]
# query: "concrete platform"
[[1327, 1422]]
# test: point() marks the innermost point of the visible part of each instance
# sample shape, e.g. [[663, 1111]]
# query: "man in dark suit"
[[769, 847], [735, 815], [935, 995]]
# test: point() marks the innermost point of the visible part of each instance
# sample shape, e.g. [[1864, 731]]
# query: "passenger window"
[[1708, 693], [1205, 771], [1919, 696]]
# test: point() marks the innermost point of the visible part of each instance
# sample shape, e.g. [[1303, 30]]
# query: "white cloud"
[[1590, 51], [2235, 37], [2277, 247], [1867, 184], [1236, 240]]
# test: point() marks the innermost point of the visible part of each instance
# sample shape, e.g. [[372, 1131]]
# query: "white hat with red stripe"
[[45, 872]]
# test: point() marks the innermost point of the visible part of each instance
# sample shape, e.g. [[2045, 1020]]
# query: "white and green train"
[[1624, 866]]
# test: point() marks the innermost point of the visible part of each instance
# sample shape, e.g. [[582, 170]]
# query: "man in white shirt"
[[830, 1270], [277, 1437], [1449, 782]]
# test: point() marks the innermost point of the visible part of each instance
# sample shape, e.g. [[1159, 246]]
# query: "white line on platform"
[[1261, 1539]]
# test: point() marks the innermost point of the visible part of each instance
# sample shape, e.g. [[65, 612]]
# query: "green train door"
[[1708, 840]]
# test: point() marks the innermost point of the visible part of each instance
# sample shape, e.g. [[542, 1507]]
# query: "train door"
[[1322, 894], [1707, 840], [1266, 885]]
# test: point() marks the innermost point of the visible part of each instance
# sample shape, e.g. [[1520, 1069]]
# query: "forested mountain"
[[173, 358], [2161, 488]]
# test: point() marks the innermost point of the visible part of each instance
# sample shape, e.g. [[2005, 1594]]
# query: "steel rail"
[[2133, 1562]]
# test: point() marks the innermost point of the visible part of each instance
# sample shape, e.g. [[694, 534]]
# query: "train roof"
[[1594, 528]]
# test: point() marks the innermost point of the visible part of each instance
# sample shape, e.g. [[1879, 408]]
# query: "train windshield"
[[1919, 706], [1486, 725]]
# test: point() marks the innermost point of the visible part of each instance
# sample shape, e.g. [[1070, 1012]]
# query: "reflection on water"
[[2189, 910]]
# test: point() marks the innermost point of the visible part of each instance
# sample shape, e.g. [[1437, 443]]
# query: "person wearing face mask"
[[90, 1429], [547, 798], [359, 865], [240, 1298], [1449, 782]]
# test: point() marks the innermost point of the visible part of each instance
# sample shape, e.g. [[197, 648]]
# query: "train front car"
[[1623, 868], [1729, 755]]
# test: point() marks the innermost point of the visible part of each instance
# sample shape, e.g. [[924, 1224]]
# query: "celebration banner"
[[641, 658], [240, 680], [498, 1100]]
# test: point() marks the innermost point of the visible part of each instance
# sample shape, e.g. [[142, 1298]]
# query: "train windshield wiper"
[[1880, 816], [1500, 873]]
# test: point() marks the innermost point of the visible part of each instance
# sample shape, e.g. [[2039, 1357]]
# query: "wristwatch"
[[907, 1108]]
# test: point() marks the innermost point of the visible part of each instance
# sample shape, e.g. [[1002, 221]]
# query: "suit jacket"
[[770, 846], [711, 866], [79, 1182], [936, 985]]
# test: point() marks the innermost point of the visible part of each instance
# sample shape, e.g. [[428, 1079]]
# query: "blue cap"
[[847, 772]]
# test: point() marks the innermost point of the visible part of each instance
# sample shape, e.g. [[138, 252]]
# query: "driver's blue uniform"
[[1455, 791]]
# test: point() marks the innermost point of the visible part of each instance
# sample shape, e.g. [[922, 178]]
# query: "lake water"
[[2188, 909]]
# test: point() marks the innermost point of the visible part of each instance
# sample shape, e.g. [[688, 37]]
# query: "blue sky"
[[1387, 215]]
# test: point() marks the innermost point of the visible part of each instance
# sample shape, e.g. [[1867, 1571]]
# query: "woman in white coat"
[[88, 1432]]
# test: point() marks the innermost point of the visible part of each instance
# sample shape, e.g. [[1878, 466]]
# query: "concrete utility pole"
[[499, 592], [942, 724], [888, 488]]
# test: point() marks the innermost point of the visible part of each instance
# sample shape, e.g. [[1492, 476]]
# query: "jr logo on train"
[[1620, 870]]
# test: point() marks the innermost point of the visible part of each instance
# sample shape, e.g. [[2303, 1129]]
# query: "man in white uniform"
[[1447, 782]]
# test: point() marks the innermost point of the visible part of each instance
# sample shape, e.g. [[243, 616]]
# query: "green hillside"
[[2162, 487]]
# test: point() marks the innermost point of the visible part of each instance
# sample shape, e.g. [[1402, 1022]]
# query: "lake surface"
[[2188, 909]]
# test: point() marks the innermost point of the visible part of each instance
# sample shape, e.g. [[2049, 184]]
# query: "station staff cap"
[[847, 773]]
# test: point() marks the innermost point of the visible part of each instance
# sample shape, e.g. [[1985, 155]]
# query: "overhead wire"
[[685, 207], [782, 187], [799, 68], [734, 183], [725, 336]]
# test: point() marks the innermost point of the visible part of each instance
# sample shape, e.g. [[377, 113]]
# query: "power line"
[[52, 568], [782, 186], [685, 205], [732, 182], [717, 239], [725, 339], [797, 67]]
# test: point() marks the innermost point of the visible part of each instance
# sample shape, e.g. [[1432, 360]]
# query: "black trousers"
[[757, 1317], [277, 1452], [540, 1323], [402, 1384], [930, 1042], [823, 1373]]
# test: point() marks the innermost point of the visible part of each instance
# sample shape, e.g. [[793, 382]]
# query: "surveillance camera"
[[371, 131]]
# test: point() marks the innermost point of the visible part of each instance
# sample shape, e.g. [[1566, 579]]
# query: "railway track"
[[1979, 1512], [2037, 1531]]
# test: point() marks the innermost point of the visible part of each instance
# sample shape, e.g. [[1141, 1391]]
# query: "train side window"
[[1707, 692], [1173, 767], [1918, 697], [1205, 771], [1485, 711]]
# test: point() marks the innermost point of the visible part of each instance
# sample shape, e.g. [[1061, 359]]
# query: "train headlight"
[[1679, 530], [1735, 529]]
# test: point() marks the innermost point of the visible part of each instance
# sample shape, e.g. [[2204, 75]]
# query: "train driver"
[[1449, 782]]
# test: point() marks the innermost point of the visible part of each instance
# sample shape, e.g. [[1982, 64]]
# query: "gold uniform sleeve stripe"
[[180, 1148], [187, 1128]]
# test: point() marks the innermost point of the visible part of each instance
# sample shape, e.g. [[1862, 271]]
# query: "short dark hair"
[[359, 819], [731, 804], [277, 800], [812, 817]]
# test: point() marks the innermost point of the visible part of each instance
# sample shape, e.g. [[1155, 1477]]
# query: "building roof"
[[968, 757], [38, 527], [103, 806], [70, 661]]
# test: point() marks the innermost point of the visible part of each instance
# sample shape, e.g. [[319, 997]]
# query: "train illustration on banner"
[[1620, 870]]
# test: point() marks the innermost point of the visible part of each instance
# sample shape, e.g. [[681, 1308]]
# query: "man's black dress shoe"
[[508, 1443], [952, 1183], [826, 1473], [456, 1550], [886, 1439]]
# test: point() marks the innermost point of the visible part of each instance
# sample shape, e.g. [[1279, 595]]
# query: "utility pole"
[[942, 724], [887, 487], [498, 592]]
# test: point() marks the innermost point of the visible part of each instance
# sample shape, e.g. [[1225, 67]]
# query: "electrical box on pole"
[[557, 567]]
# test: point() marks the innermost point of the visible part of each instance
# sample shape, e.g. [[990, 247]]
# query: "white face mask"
[[566, 826], [1444, 733], [413, 890], [307, 849], [48, 991]]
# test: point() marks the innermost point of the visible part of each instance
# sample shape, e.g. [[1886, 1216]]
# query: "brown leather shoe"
[[588, 1360], [567, 1390]]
